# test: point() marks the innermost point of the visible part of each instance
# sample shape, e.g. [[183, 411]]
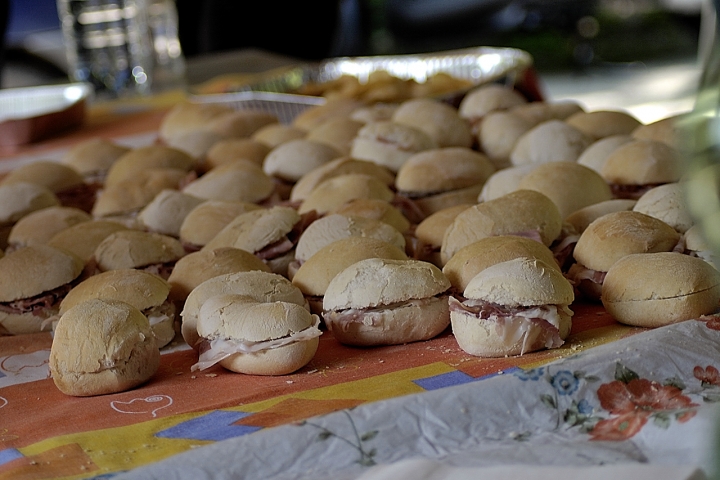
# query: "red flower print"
[[708, 375], [711, 321], [633, 403], [619, 428]]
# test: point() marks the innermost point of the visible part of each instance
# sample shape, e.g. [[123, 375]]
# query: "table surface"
[[45, 434]]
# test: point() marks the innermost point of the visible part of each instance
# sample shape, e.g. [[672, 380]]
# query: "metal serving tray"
[[478, 65]]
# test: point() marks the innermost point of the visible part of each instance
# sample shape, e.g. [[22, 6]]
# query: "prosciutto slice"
[[43, 305], [514, 324], [369, 316], [218, 349]]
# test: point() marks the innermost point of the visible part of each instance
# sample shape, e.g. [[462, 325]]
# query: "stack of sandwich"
[[378, 224]]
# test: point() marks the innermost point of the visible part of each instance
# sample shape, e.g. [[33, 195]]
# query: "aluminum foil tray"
[[476, 66], [282, 105]]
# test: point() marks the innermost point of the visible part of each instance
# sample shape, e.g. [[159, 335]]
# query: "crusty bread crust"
[[54, 176], [231, 149], [481, 338], [94, 155], [131, 195], [334, 168], [389, 143], [642, 162], [20, 199], [569, 185], [550, 141], [604, 123], [83, 238], [167, 211], [580, 219], [206, 220], [293, 159], [615, 235], [336, 133], [194, 268], [596, 154], [337, 191], [376, 282], [261, 286], [376, 209], [36, 269], [140, 289], [102, 347], [477, 256], [41, 225], [153, 156], [655, 289], [238, 317], [256, 229], [432, 229], [667, 203], [443, 169], [330, 228], [238, 180], [521, 281], [513, 213], [314, 276], [136, 249], [498, 134], [440, 121]]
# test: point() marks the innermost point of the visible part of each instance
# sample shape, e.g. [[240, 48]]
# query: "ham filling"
[[519, 324], [371, 316], [43, 305], [288, 242], [217, 349], [578, 273], [161, 313], [631, 192]]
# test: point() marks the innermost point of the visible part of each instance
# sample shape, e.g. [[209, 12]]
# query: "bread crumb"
[[211, 375], [193, 376], [289, 382], [314, 370]]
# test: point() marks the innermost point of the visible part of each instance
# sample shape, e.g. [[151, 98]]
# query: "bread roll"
[[102, 347], [656, 289]]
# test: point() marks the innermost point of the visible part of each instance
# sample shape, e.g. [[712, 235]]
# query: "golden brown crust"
[[313, 277], [519, 212], [41, 225], [54, 176], [194, 268], [239, 181], [293, 159], [102, 347], [153, 156], [655, 289], [569, 185], [604, 123], [337, 191], [438, 120], [136, 249], [35, 269], [642, 162], [140, 289], [617, 234], [475, 257]]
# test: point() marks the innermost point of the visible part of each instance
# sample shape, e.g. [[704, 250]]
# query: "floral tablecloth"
[[646, 399], [612, 393]]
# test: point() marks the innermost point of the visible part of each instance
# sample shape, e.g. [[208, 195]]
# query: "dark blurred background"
[[562, 35]]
